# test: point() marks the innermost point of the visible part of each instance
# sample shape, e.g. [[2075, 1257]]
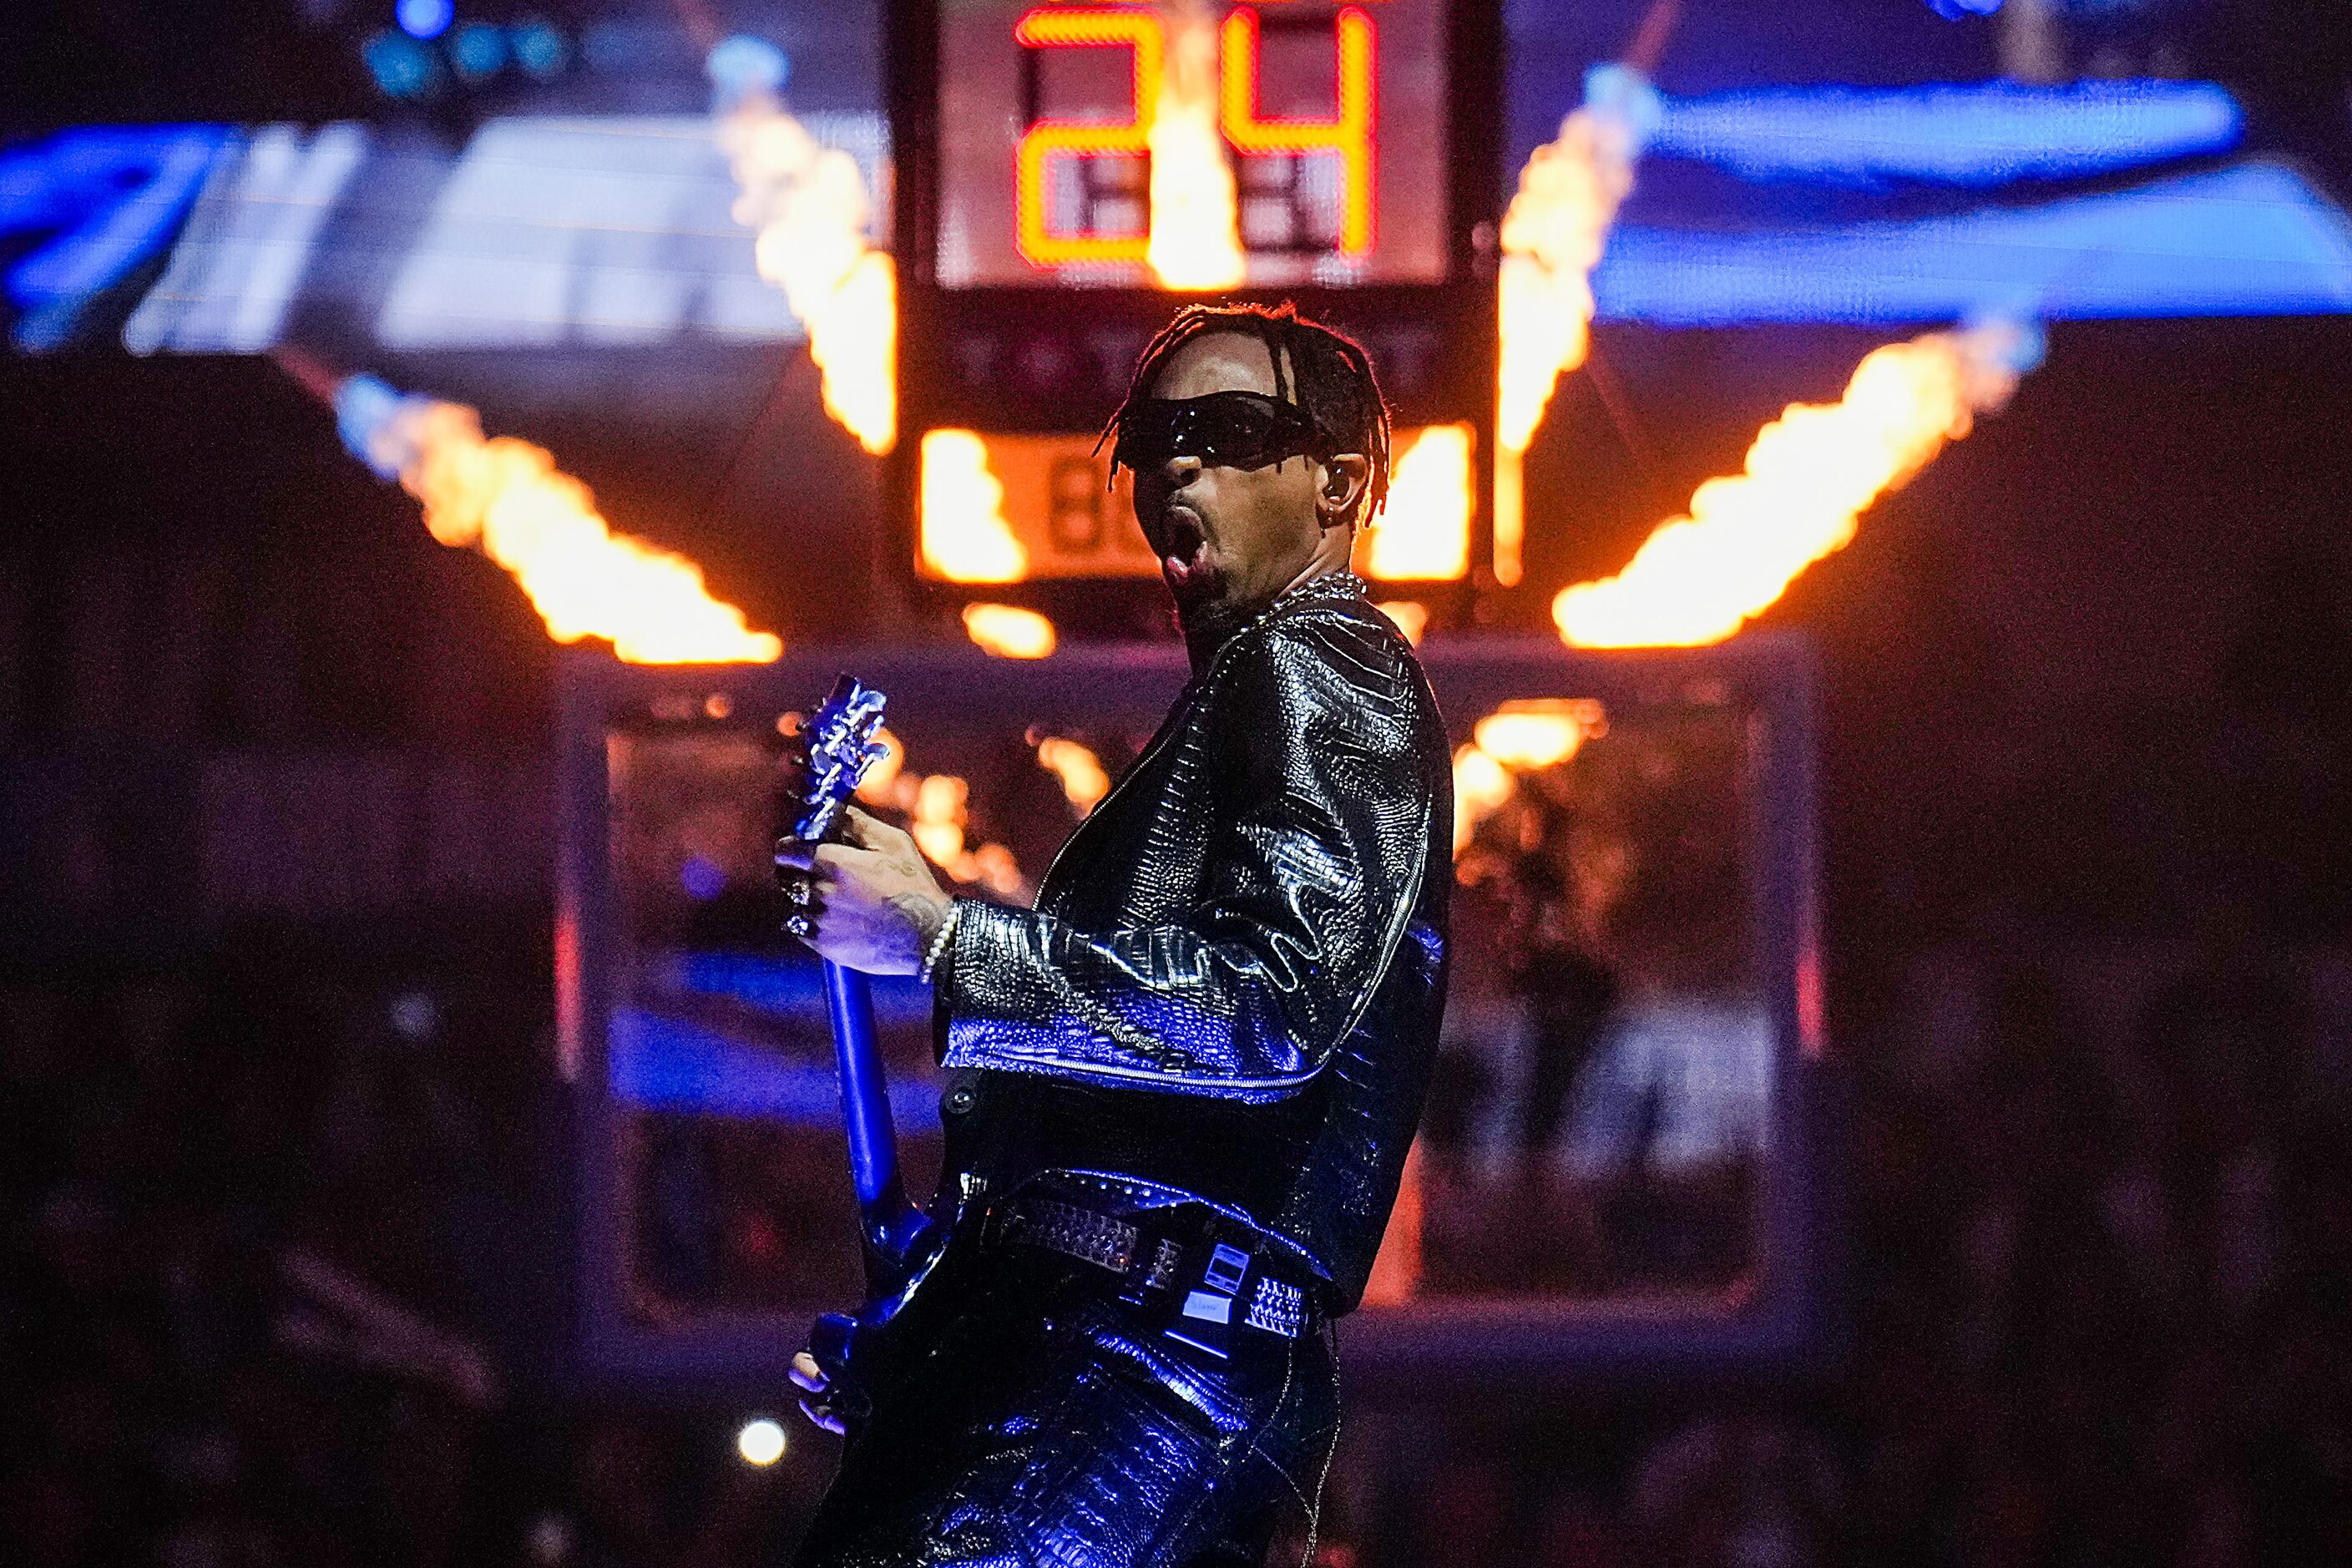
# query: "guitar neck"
[[886, 1219], [845, 737]]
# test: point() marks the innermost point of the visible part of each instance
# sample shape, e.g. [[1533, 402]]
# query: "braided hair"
[[1319, 368]]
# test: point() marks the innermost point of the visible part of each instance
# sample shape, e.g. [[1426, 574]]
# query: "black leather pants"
[[1051, 1425]]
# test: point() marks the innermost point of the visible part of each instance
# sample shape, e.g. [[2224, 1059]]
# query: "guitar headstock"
[[842, 744]]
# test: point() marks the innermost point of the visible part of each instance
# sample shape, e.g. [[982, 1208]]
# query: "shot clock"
[[1361, 141], [1333, 120]]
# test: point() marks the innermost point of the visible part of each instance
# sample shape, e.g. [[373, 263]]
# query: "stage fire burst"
[[1083, 779], [1423, 530], [961, 529], [941, 813], [811, 209], [1520, 736], [1552, 237], [1809, 476], [506, 497], [1009, 631], [1195, 218]]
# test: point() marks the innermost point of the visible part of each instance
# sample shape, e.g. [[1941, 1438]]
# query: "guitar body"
[[866, 1352]]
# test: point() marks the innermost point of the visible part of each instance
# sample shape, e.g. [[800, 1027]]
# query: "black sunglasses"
[[1224, 429]]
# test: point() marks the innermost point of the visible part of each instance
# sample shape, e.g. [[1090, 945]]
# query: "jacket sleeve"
[[1310, 880]]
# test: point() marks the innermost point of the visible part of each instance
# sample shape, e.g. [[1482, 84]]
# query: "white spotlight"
[[760, 1442]]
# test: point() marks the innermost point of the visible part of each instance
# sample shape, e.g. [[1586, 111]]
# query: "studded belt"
[[1207, 1287]]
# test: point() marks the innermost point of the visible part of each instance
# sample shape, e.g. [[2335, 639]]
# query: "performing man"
[[1181, 1088]]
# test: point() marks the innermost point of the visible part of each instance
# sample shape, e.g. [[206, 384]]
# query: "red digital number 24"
[[1348, 135]]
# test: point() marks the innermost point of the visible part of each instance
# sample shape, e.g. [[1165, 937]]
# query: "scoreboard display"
[[1333, 119], [1358, 144]]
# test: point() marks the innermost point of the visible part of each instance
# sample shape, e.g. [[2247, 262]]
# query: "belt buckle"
[[1232, 1279], [1278, 1308], [1073, 1231], [1205, 1321]]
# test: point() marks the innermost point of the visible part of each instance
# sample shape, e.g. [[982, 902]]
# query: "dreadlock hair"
[[1319, 368]]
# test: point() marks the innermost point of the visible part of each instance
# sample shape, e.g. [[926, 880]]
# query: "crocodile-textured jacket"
[[1229, 990]]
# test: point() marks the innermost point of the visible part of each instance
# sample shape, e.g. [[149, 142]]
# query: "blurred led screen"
[[534, 231], [592, 204], [1332, 119]]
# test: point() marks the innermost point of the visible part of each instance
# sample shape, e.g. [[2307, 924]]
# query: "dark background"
[[2086, 732]]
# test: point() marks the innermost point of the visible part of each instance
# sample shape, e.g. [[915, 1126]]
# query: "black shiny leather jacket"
[[1229, 991]]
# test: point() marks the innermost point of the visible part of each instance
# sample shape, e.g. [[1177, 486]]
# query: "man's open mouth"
[[1183, 547]]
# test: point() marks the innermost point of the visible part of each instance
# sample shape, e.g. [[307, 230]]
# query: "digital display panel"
[[1330, 119], [590, 207], [1058, 506], [997, 507]]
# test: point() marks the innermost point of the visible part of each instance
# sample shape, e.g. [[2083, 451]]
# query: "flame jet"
[[1425, 530], [1195, 214], [811, 210], [1809, 476], [1009, 631], [506, 497], [961, 530], [1552, 237]]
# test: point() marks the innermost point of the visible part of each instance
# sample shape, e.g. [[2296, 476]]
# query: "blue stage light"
[[702, 880], [478, 51], [425, 19], [741, 66], [1973, 134], [1957, 10], [95, 203], [540, 49], [401, 67], [2252, 240], [662, 1063]]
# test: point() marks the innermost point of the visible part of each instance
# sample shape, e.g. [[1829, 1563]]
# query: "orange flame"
[[1411, 616], [506, 497], [1552, 237], [940, 802], [1008, 631], [1517, 737], [874, 787], [939, 815], [811, 208], [1538, 732], [938, 808], [1081, 773], [1195, 216], [1424, 533], [1809, 476], [1480, 786], [964, 537]]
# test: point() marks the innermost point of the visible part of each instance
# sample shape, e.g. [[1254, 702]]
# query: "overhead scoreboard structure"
[[1363, 139]]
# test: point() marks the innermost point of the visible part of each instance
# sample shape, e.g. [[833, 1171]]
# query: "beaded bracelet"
[[940, 940]]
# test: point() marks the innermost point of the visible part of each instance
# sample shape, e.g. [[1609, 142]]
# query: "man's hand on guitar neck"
[[872, 901], [811, 1381]]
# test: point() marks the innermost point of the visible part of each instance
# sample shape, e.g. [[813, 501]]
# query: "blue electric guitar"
[[899, 1242]]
